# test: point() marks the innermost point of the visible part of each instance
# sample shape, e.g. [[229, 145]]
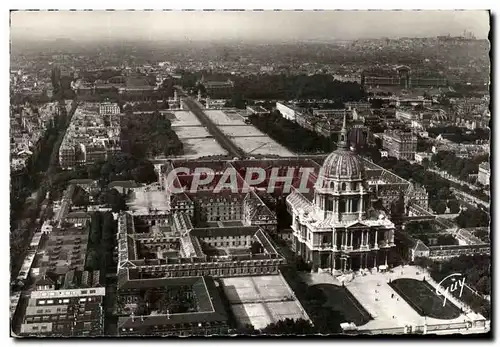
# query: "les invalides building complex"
[[339, 230]]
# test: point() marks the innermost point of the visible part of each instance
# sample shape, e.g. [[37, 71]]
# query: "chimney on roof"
[[168, 314]]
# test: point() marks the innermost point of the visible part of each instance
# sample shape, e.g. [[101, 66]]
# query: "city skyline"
[[245, 25]]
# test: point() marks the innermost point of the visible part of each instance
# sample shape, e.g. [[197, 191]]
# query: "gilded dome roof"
[[343, 164]]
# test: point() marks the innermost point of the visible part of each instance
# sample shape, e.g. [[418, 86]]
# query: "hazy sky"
[[265, 25]]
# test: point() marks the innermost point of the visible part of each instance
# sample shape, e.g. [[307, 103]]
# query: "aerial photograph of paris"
[[220, 173]]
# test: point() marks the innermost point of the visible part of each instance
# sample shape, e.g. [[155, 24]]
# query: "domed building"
[[339, 230]]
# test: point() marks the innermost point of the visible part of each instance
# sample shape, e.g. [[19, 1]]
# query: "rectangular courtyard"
[[261, 300]]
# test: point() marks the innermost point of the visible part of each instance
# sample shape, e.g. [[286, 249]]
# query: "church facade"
[[338, 230]]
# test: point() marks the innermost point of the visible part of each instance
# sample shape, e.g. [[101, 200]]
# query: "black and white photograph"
[[221, 173]]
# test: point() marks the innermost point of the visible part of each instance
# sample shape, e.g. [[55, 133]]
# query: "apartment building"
[[65, 313], [93, 135], [400, 144]]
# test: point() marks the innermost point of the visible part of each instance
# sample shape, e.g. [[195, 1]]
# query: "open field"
[[422, 297], [191, 132], [143, 201], [184, 118], [197, 148], [261, 145], [341, 300], [241, 130], [261, 300], [219, 117]]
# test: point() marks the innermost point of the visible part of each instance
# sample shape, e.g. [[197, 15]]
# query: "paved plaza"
[[386, 307], [376, 296], [143, 201]]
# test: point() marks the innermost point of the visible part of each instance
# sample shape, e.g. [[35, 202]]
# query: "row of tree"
[[279, 87], [120, 167], [438, 188], [458, 167], [146, 106], [292, 135], [61, 85], [472, 218], [150, 135], [459, 134], [290, 87], [477, 272], [102, 241], [24, 211]]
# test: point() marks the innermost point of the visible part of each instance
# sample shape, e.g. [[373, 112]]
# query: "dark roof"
[[225, 231]]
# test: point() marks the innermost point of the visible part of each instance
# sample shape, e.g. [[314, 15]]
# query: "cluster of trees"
[[483, 234], [44, 158], [112, 94], [477, 272], [279, 87], [322, 106], [236, 101], [285, 326], [146, 106], [121, 167], [102, 242], [21, 99], [437, 187], [150, 135], [111, 198], [459, 134], [61, 85], [420, 228], [256, 248], [289, 326], [188, 79], [458, 167], [423, 145], [289, 87], [292, 135], [23, 211], [425, 229], [101, 75], [473, 217], [452, 205], [80, 197]]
